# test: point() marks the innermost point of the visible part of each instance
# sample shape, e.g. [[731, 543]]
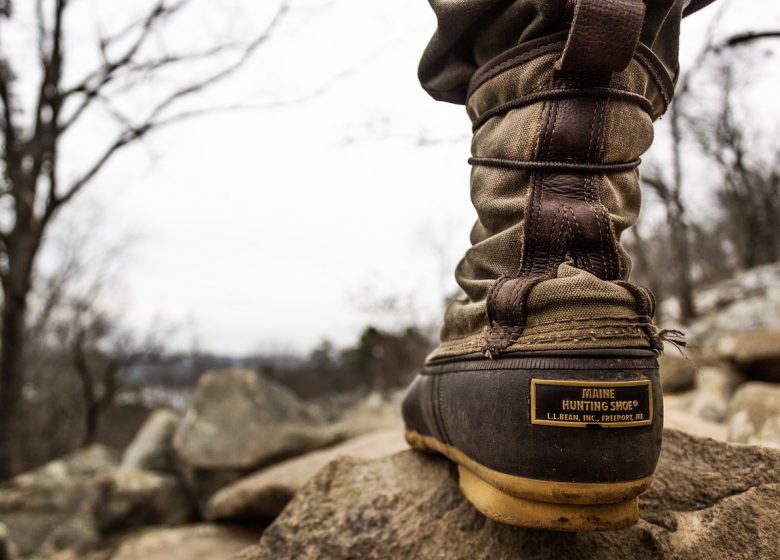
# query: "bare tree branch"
[[8, 125], [97, 91], [749, 37], [160, 10], [155, 120], [94, 82], [42, 32], [29, 169], [225, 72], [658, 185]]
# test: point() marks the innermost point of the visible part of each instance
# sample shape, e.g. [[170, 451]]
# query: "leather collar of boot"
[[548, 50]]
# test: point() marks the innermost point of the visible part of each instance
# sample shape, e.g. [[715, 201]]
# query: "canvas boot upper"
[[556, 146]]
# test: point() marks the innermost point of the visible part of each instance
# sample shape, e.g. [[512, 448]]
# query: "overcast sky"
[[271, 228]]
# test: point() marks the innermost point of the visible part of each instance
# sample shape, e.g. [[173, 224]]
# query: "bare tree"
[[76, 336], [669, 192], [669, 183], [669, 186], [748, 193], [99, 349], [30, 179]]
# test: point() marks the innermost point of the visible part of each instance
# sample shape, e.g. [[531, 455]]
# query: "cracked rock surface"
[[709, 500]]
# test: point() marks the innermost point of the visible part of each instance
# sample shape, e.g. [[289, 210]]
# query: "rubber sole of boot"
[[540, 504]]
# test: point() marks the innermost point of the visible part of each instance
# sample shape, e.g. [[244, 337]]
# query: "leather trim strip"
[[531, 363], [590, 353], [557, 165], [565, 216], [527, 51]]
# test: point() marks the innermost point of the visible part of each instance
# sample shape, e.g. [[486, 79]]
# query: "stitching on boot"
[[475, 342], [578, 337], [612, 321], [596, 335], [614, 266], [641, 324]]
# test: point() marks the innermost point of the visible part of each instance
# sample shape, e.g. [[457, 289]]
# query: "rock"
[[49, 506], [62, 509], [264, 494], [152, 447], [709, 500], [8, 550], [713, 391], [755, 354], [678, 374], [370, 414], [678, 416], [748, 302], [239, 421], [754, 414], [195, 542], [127, 499], [82, 462]]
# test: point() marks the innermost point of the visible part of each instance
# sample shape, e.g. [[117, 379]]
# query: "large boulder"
[[152, 447], [709, 500], [365, 414], [49, 507], [749, 301], [679, 415], [66, 507], [239, 420], [263, 495], [755, 354], [194, 542], [754, 414]]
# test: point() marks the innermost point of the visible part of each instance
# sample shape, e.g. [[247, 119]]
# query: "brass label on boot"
[[581, 404]]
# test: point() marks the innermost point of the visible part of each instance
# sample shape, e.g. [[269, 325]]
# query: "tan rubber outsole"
[[541, 504]]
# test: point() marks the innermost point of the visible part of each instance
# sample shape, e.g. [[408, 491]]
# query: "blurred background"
[[188, 187]]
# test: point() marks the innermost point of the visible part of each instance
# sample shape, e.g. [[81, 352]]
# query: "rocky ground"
[[709, 501], [249, 471]]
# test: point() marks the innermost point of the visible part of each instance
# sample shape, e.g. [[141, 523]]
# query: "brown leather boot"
[[544, 389]]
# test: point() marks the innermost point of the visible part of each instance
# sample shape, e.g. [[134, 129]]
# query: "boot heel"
[[500, 506]]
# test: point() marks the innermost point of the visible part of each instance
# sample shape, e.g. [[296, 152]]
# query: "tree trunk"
[[96, 405], [91, 421], [651, 273], [11, 378], [678, 223], [91, 401], [22, 246], [681, 242]]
